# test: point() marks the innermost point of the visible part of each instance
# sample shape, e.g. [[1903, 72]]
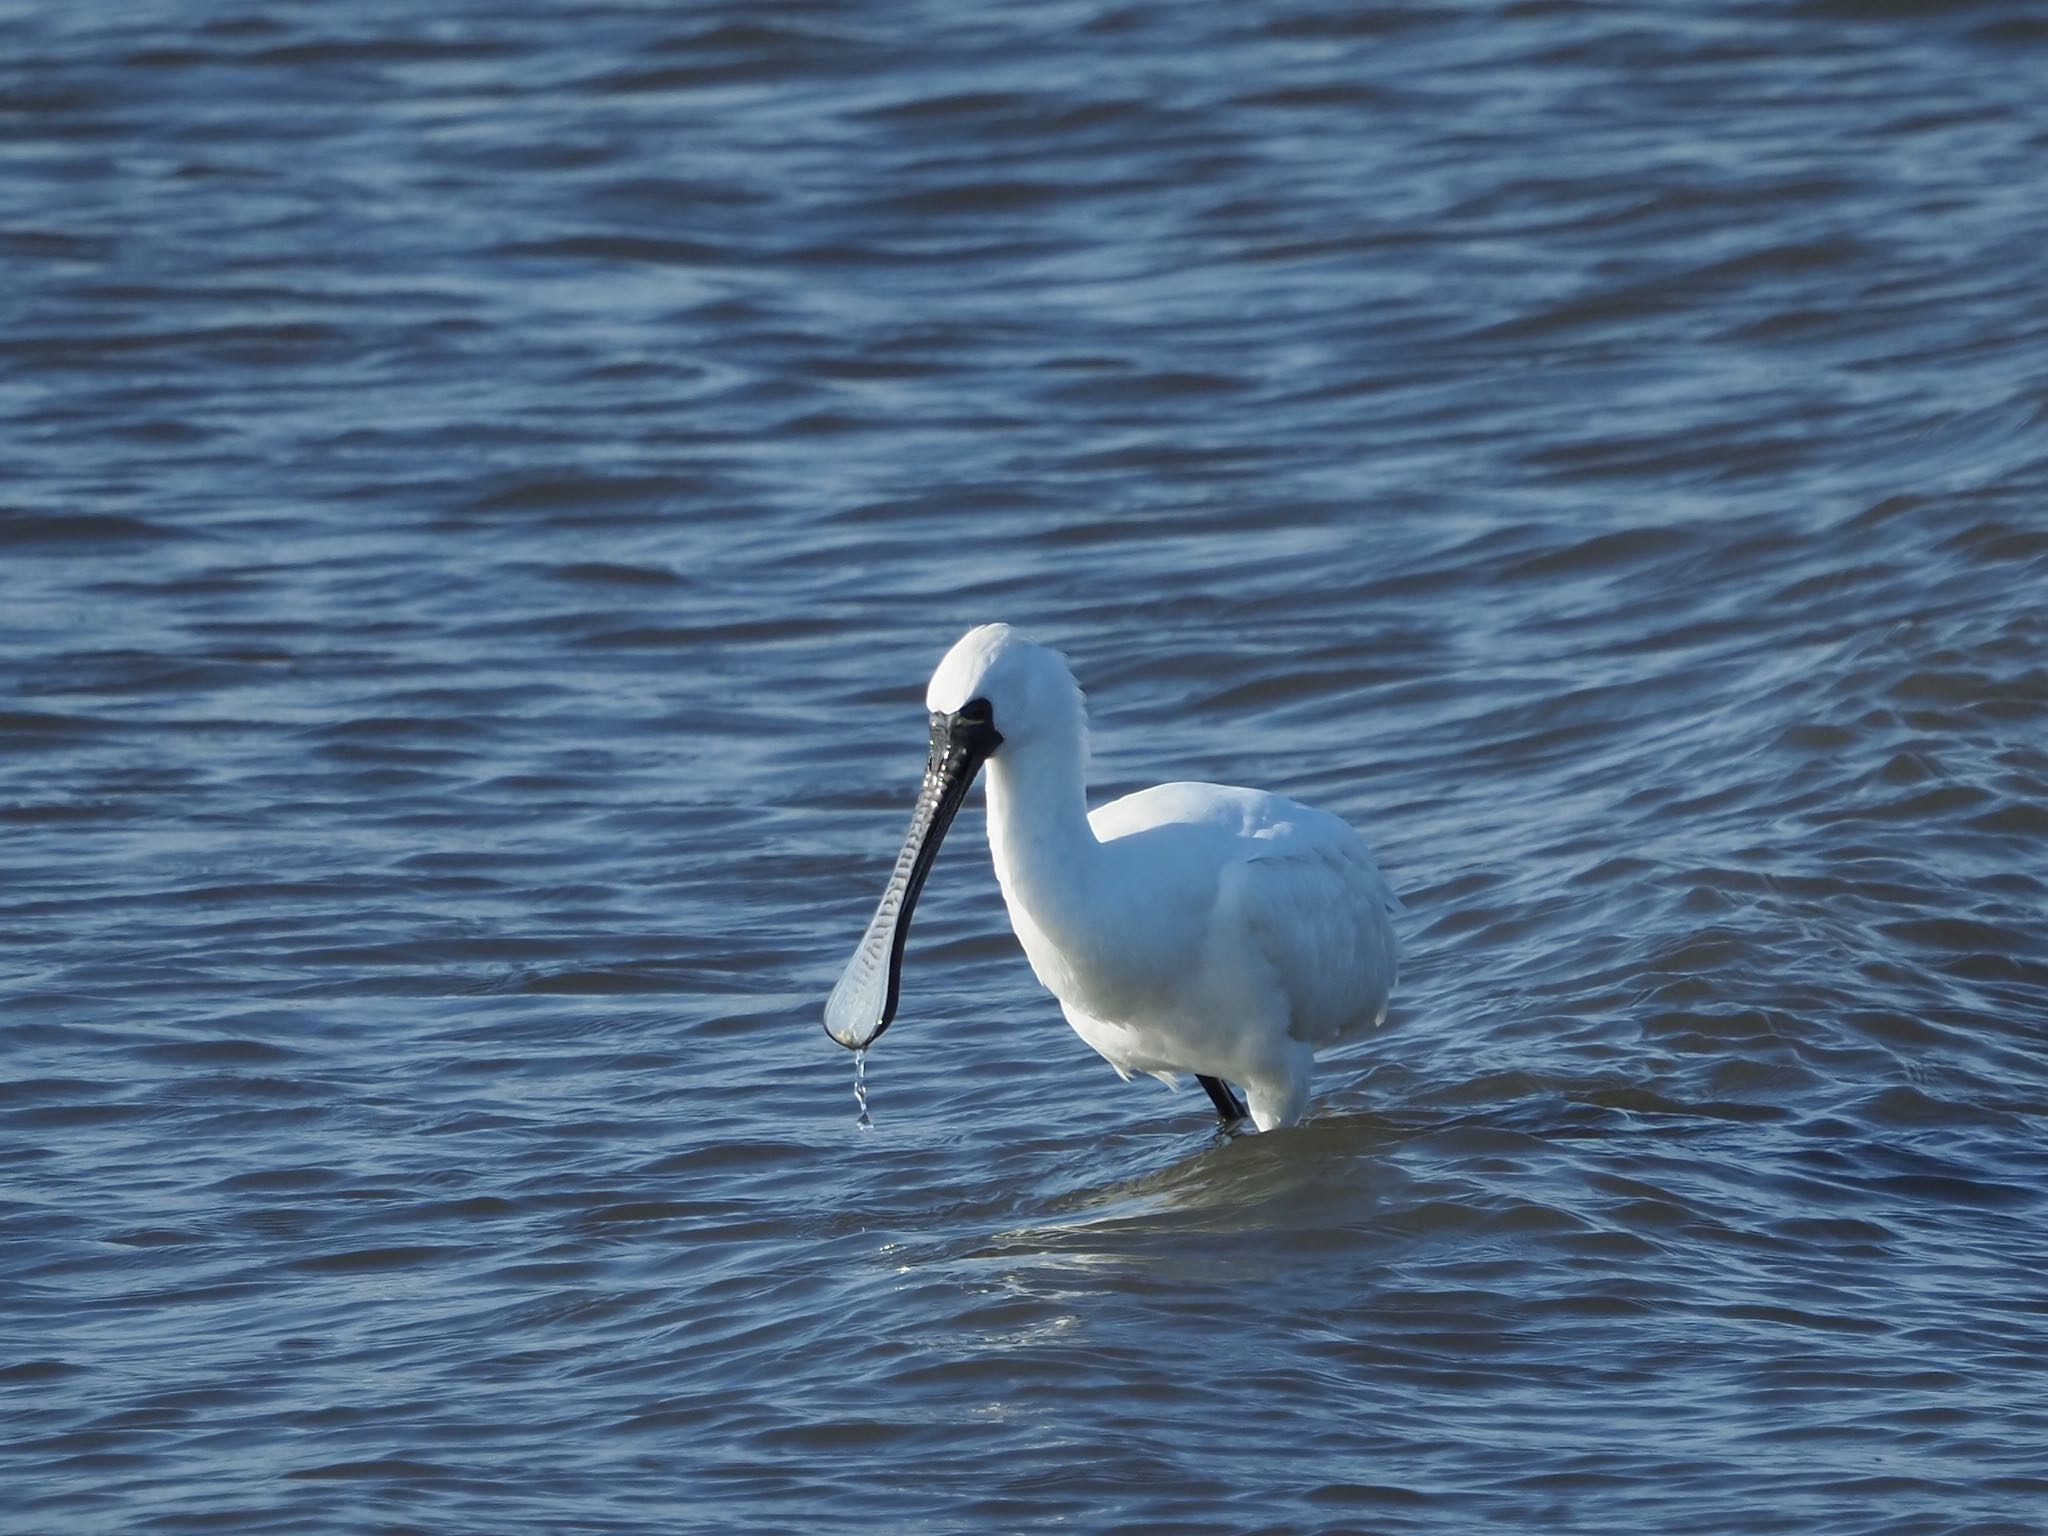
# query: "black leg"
[[1228, 1106]]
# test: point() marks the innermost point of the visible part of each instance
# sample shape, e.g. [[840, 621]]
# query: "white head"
[[1032, 697], [996, 697]]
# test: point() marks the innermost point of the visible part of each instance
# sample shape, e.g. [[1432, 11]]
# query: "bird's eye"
[[976, 712]]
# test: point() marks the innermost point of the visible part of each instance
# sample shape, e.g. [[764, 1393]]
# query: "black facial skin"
[[863, 1004]]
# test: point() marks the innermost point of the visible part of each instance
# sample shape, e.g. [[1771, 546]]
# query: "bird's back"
[[1298, 885]]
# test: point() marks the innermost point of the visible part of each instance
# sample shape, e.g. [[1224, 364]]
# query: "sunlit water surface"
[[485, 485]]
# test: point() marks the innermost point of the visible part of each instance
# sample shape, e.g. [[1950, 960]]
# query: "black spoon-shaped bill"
[[863, 1003]]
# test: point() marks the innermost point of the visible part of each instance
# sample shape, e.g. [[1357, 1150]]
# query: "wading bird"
[[1230, 933]]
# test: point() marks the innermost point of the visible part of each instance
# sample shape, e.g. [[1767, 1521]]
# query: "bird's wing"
[[1314, 906]]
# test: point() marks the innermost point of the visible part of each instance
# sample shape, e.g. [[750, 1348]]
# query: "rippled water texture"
[[484, 485]]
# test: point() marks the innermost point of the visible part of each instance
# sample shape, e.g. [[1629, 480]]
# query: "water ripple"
[[486, 489]]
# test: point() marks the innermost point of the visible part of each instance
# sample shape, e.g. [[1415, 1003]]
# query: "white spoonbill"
[[1230, 933]]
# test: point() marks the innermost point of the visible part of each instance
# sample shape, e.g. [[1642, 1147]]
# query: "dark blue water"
[[484, 485]]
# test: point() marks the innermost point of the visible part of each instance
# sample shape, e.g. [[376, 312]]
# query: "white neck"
[[1038, 833]]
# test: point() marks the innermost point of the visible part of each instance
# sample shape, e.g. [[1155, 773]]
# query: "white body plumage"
[[1188, 928]]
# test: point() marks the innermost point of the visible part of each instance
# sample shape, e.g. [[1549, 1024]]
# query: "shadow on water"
[[1244, 1182], [1341, 1186]]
